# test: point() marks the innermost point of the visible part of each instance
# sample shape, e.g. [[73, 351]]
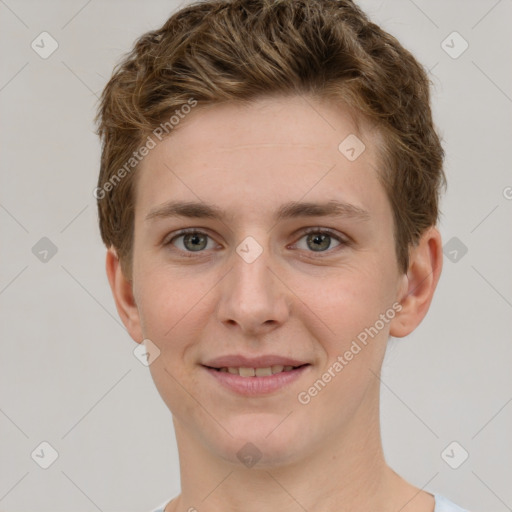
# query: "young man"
[[268, 196]]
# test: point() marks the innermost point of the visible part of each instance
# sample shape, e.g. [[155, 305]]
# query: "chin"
[[262, 440]]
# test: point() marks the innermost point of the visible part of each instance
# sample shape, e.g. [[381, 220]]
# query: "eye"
[[319, 239], [193, 240]]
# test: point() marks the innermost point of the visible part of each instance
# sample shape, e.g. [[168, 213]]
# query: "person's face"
[[305, 296]]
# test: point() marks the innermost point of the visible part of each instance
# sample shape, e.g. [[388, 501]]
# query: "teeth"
[[246, 372], [262, 372], [257, 372]]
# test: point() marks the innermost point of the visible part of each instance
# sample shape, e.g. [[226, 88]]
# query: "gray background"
[[68, 375]]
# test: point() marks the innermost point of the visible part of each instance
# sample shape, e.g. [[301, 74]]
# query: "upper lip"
[[239, 361]]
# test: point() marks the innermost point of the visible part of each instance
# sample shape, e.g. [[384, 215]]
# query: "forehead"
[[286, 121], [249, 156]]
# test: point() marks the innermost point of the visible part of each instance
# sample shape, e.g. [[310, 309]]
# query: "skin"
[[294, 300]]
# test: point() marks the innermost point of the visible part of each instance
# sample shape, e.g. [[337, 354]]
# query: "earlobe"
[[122, 291], [425, 264]]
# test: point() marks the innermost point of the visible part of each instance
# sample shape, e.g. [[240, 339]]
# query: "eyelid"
[[185, 231], [328, 231]]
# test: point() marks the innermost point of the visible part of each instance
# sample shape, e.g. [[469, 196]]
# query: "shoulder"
[[445, 505]]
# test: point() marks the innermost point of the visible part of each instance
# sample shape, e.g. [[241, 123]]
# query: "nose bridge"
[[252, 267], [252, 296]]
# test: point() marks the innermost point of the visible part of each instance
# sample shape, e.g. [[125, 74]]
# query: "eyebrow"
[[293, 209]]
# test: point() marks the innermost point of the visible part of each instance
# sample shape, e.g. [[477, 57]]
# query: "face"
[[260, 274]]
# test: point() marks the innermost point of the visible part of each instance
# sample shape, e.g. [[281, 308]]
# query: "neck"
[[346, 472]]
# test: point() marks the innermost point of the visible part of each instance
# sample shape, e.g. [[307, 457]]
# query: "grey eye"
[[195, 241], [318, 241], [192, 242]]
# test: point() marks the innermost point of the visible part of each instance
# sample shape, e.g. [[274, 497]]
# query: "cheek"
[[164, 304], [174, 315], [352, 306], [356, 346], [170, 316], [349, 299]]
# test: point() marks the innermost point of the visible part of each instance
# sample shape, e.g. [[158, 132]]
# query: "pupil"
[[318, 238], [195, 237]]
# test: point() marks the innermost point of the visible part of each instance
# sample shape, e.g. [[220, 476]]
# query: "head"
[[251, 107]]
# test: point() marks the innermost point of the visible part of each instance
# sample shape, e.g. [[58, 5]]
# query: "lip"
[[257, 386], [237, 361]]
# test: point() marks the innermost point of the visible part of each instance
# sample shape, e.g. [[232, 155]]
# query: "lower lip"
[[254, 386]]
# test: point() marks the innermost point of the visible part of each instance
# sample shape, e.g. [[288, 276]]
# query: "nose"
[[253, 299]]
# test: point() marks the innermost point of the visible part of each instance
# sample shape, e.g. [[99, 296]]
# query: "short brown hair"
[[218, 51]]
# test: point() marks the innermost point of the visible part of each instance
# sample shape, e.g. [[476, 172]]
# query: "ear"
[[122, 290], [425, 264]]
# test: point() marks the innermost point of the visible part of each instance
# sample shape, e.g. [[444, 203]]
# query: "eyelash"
[[322, 231]]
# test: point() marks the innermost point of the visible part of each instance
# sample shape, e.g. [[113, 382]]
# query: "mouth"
[[253, 382], [245, 372]]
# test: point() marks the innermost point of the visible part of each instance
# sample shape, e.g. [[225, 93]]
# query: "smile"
[[257, 372], [256, 381]]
